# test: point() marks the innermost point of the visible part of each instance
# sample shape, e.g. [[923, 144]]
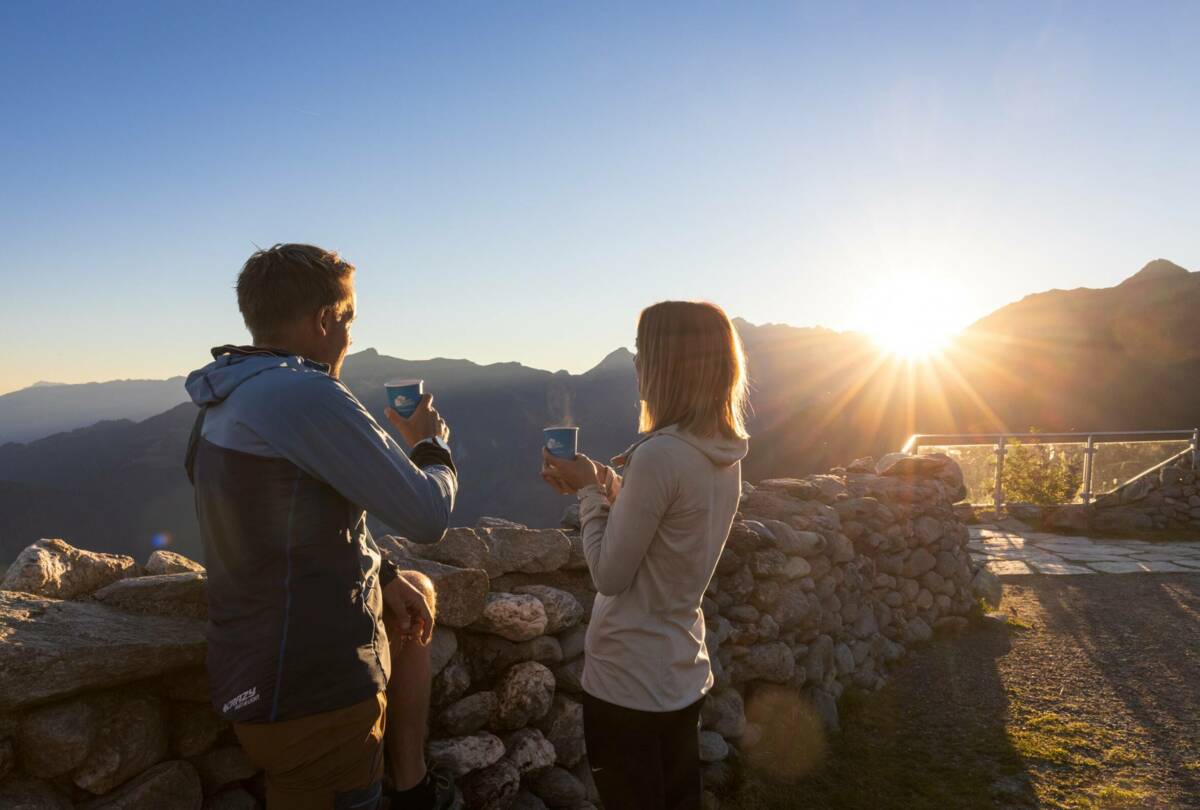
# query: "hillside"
[[45, 408]]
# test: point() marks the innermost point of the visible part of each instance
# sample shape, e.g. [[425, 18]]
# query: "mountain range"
[[1117, 358]]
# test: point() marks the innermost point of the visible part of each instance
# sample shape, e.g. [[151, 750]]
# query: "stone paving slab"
[[1008, 553]]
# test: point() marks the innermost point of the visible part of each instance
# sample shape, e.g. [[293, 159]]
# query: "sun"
[[913, 321]]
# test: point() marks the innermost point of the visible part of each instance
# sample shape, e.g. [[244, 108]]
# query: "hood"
[[722, 452], [232, 366]]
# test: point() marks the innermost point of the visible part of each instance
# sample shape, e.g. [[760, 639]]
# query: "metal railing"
[[1091, 443]]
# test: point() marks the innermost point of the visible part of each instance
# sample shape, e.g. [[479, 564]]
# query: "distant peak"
[[618, 358], [1157, 269], [46, 384]]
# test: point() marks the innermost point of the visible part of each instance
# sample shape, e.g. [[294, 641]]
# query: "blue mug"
[[562, 442], [403, 396]]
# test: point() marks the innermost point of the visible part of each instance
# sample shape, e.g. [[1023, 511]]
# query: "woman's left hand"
[[569, 474]]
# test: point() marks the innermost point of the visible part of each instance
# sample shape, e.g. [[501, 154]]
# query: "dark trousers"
[[643, 760]]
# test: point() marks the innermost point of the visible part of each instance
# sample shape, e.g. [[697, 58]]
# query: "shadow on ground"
[[1088, 697]]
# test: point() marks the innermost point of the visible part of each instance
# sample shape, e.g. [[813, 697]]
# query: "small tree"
[[1040, 473]]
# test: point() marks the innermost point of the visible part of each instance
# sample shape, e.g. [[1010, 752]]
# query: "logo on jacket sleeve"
[[247, 698]]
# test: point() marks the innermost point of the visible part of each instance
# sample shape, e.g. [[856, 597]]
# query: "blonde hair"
[[691, 370]]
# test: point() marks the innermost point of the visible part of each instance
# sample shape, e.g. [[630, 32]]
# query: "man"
[[284, 460]]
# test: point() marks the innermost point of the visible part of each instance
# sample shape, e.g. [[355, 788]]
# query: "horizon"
[[585, 367], [497, 175]]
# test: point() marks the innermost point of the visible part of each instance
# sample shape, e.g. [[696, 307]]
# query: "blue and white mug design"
[[562, 442], [403, 396]]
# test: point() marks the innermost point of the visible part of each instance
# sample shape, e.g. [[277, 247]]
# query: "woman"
[[652, 552]]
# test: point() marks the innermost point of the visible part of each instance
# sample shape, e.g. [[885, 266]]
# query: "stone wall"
[[1163, 501], [825, 582]]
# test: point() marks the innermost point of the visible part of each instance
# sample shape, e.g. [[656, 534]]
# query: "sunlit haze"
[[515, 181]]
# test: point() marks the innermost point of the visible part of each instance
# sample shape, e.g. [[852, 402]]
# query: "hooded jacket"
[[651, 556], [284, 462]]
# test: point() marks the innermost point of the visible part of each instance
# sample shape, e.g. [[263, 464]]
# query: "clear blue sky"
[[515, 180]]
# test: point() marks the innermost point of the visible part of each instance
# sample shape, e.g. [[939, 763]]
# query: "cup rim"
[[563, 427], [402, 383]]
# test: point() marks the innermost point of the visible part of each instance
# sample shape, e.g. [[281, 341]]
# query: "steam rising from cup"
[[403, 396], [562, 442]]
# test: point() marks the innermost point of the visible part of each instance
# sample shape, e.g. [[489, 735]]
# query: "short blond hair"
[[691, 370]]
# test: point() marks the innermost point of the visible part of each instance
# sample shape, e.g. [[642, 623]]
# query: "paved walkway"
[[1010, 553]]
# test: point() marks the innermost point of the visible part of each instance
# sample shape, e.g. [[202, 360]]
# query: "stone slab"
[[1060, 569], [1135, 567], [1008, 568]]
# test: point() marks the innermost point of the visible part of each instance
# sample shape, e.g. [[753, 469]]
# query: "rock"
[[525, 694], [1122, 520], [986, 586], [56, 739], [527, 801], [572, 642], [569, 676], [719, 776], [8, 758], [824, 705], [492, 788], [768, 563], [189, 685], [709, 801], [57, 569], [452, 682], [766, 662], [529, 551], [498, 523], [442, 648], [563, 727], [713, 747], [725, 713], [576, 562], [236, 799], [51, 649], [558, 787], [1069, 517], [905, 466], [927, 530], [918, 562], [1136, 490], [841, 549], [131, 736], [29, 794], [516, 617], [531, 752], [1029, 513], [467, 715], [183, 594], [570, 517], [488, 655], [562, 609], [462, 755], [843, 659], [917, 631], [796, 568], [168, 562], [223, 767], [194, 729], [460, 547], [169, 786]]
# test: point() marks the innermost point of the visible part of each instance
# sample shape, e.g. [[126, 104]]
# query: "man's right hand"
[[425, 423]]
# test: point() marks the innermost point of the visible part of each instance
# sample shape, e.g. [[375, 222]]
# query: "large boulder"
[[563, 727], [168, 562], [131, 737], [467, 715], [558, 787], [725, 713], [492, 788], [55, 740], [525, 694], [516, 617], [169, 786], [51, 649], [183, 594], [30, 794], [562, 609], [461, 755], [57, 569], [527, 551], [461, 547], [986, 586], [488, 655], [529, 750]]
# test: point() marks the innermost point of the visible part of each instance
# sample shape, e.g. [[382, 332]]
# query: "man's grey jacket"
[[286, 463]]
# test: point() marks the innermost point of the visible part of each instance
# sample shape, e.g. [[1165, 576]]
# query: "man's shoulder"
[[292, 380]]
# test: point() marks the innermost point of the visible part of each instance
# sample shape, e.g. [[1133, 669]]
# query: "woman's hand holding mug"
[[568, 475]]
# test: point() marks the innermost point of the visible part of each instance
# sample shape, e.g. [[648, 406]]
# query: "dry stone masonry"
[[825, 582]]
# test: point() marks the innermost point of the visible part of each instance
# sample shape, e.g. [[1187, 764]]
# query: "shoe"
[[445, 793], [448, 797]]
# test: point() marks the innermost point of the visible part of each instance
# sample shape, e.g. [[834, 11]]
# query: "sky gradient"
[[515, 181]]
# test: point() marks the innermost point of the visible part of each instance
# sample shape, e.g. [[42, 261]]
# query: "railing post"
[[916, 446], [1196, 449], [998, 497], [1089, 456]]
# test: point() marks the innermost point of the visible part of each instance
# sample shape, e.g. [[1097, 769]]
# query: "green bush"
[[1040, 473]]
